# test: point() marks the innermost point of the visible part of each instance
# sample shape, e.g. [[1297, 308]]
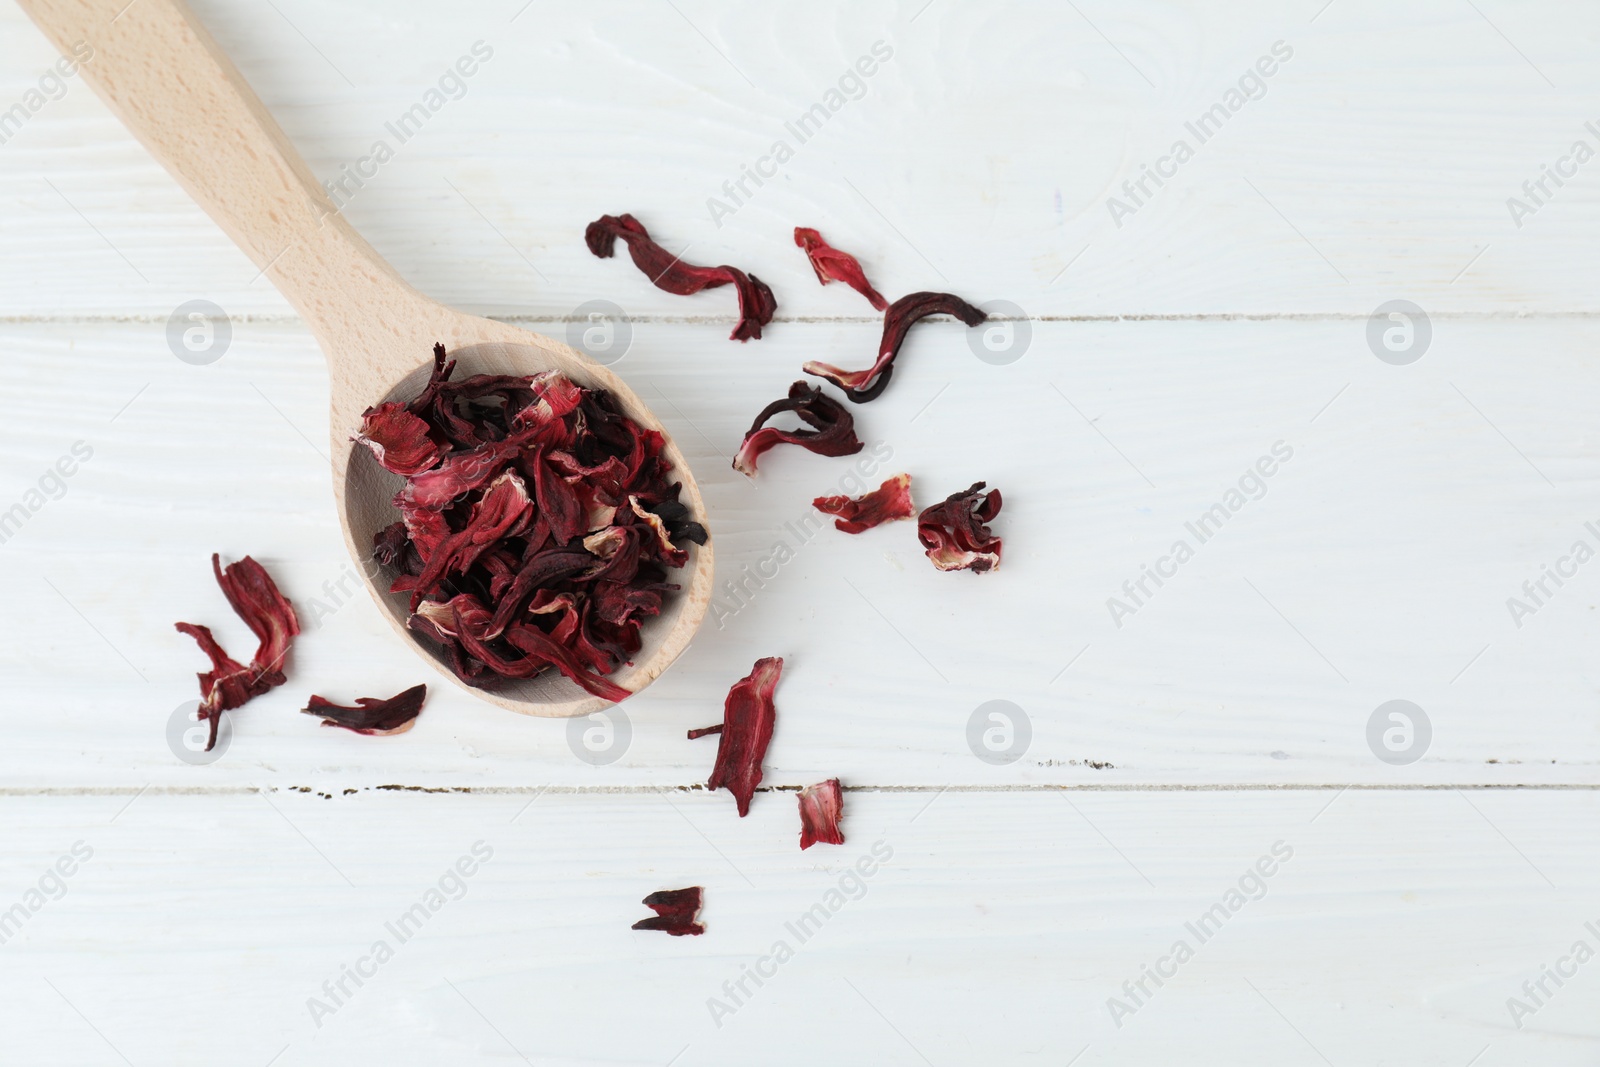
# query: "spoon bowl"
[[161, 73]]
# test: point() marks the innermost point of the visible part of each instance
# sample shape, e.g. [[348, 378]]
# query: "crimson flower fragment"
[[833, 265], [748, 716], [864, 385], [954, 532], [757, 305], [370, 715], [540, 536], [820, 807], [675, 911], [255, 599], [402, 442], [891, 500], [832, 430]]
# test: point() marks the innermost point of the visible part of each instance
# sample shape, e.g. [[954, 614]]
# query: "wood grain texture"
[[995, 931], [980, 158], [1377, 565], [165, 78]]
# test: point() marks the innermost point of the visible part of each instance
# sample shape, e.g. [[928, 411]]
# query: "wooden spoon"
[[167, 80]]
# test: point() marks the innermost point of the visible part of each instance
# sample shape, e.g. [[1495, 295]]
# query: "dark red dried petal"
[[540, 646], [833, 265], [228, 683], [398, 439], [558, 502], [891, 500], [458, 474], [832, 430], [954, 532], [748, 716], [543, 568], [255, 599], [820, 807], [705, 731], [864, 385], [675, 911], [543, 538], [372, 716], [756, 302], [505, 509]]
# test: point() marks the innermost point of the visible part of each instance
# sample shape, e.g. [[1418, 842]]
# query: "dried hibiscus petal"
[[756, 302], [255, 599], [954, 534], [833, 265], [891, 500], [832, 430], [401, 441], [864, 385], [370, 715], [675, 911], [748, 716], [543, 535], [820, 807]]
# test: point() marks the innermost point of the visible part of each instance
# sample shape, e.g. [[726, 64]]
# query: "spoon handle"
[[165, 78]]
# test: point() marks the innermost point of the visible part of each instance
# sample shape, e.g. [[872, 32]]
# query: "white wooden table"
[[1177, 337]]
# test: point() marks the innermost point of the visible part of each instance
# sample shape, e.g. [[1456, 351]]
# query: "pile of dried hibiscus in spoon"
[[539, 525]]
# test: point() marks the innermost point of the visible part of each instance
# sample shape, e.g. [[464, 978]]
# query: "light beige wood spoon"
[[166, 79]]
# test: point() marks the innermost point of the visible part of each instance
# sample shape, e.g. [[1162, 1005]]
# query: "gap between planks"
[[723, 320], [696, 787]]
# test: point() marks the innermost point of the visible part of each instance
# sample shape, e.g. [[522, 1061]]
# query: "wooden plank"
[[1377, 566], [1392, 928], [982, 157]]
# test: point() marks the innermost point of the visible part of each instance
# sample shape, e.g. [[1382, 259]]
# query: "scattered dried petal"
[[705, 731], [748, 716], [890, 501], [372, 716], [675, 912], [864, 385], [833, 265], [820, 807], [832, 430], [757, 305], [255, 599], [954, 534]]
